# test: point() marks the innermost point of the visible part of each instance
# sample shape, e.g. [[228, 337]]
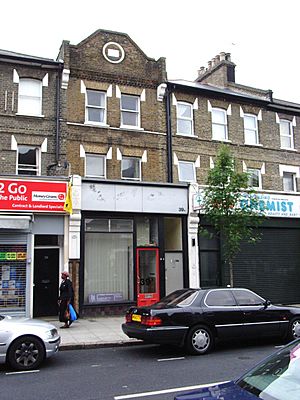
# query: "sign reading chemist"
[[272, 205]]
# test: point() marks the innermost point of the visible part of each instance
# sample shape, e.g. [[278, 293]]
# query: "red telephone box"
[[147, 276]]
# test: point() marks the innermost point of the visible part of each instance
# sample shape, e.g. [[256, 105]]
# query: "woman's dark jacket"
[[66, 290]]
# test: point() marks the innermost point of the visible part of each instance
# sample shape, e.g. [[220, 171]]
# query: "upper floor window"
[[185, 119], [286, 134], [186, 171], [95, 165], [251, 129], [95, 107], [130, 111], [131, 168], [28, 160], [289, 182], [254, 178], [219, 124], [30, 97]]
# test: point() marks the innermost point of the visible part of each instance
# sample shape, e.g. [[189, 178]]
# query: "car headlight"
[[51, 334]]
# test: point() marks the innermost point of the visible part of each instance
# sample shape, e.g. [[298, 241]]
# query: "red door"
[[147, 276]]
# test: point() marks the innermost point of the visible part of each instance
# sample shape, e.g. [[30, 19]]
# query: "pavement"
[[92, 332]]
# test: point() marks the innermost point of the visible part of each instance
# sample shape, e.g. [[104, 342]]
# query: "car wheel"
[[25, 353], [294, 331], [199, 340]]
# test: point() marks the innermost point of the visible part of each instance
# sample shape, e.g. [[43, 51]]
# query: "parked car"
[[275, 378], [25, 343], [196, 318]]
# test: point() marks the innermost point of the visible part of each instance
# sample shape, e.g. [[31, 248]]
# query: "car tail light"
[[128, 318], [151, 321]]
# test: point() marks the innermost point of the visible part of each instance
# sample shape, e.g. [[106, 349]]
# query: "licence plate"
[[136, 318]]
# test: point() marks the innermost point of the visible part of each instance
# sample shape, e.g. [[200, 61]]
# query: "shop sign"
[[271, 205], [25, 195]]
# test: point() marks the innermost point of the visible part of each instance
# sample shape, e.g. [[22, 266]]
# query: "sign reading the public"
[[26, 195]]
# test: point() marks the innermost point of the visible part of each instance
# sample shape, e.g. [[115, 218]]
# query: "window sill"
[[253, 144], [288, 149], [30, 115], [131, 179], [99, 125], [187, 135], [222, 140], [131, 128]]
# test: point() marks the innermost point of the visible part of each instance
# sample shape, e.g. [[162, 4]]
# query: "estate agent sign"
[[26, 195]]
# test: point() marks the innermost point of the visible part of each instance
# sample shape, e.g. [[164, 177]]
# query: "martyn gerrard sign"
[[25, 195]]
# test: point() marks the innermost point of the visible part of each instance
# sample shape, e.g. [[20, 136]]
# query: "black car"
[[196, 318]]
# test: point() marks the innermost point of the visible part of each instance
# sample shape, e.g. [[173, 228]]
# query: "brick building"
[[33, 184], [263, 134]]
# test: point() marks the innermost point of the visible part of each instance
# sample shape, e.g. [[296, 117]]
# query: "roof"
[[26, 58]]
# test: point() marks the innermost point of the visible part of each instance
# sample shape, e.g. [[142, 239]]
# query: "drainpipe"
[[169, 135], [58, 85]]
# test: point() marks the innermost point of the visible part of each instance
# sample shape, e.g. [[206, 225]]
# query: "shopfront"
[[133, 244], [32, 225]]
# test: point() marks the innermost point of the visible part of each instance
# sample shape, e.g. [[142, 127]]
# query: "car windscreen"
[[180, 298], [278, 378]]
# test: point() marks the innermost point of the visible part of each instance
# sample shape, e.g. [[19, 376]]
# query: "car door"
[[259, 319], [221, 311]]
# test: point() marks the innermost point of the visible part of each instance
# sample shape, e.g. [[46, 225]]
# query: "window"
[[95, 107], [251, 129], [130, 111], [219, 124], [131, 168], [28, 160], [30, 97], [289, 182], [254, 178], [95, 165], [286, 134], [247, 298], [219, 298], [185, 119], [186, 171], [209, 259]]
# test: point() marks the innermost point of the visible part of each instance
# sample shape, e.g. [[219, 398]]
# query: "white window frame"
[[182, 118], [25, 98], [99, 156], [290, 136], [136, 112], [87, 107], [224, 125], [180, 178], [294, 181], [252, 132], [249, 170], [139, 178], [36, 168]]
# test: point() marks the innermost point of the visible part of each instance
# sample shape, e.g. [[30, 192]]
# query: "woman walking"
[[66, 295]]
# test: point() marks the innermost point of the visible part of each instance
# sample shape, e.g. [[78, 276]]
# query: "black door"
[[46, 275]]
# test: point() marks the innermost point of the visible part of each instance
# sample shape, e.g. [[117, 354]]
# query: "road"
[[135, 372]]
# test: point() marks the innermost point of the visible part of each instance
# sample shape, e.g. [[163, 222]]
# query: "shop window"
[[251, 129], [108, 261], [131, 168], [130, 111], [173, 234], [30, 97], [28, 160], [95, 107], [219, 124], [185, 119], [147, 231], [286, 134], [95, 165]]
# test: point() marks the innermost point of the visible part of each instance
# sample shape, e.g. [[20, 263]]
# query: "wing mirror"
[[267, 303]]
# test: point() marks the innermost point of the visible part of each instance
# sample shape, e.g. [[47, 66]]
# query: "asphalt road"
[[135, 372]]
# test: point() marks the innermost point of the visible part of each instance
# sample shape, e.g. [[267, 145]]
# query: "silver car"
[[25, 343]]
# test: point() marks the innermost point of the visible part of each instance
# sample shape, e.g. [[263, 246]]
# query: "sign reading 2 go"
[[12, 188]]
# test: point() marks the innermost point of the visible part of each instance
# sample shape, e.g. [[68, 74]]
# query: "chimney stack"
[[220, 70]]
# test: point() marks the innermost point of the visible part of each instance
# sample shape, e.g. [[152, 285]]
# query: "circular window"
[[113, 52]]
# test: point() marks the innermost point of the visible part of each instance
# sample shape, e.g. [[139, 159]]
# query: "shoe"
[[64, 326]]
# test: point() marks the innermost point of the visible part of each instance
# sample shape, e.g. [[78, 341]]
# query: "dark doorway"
[[46, 281]]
